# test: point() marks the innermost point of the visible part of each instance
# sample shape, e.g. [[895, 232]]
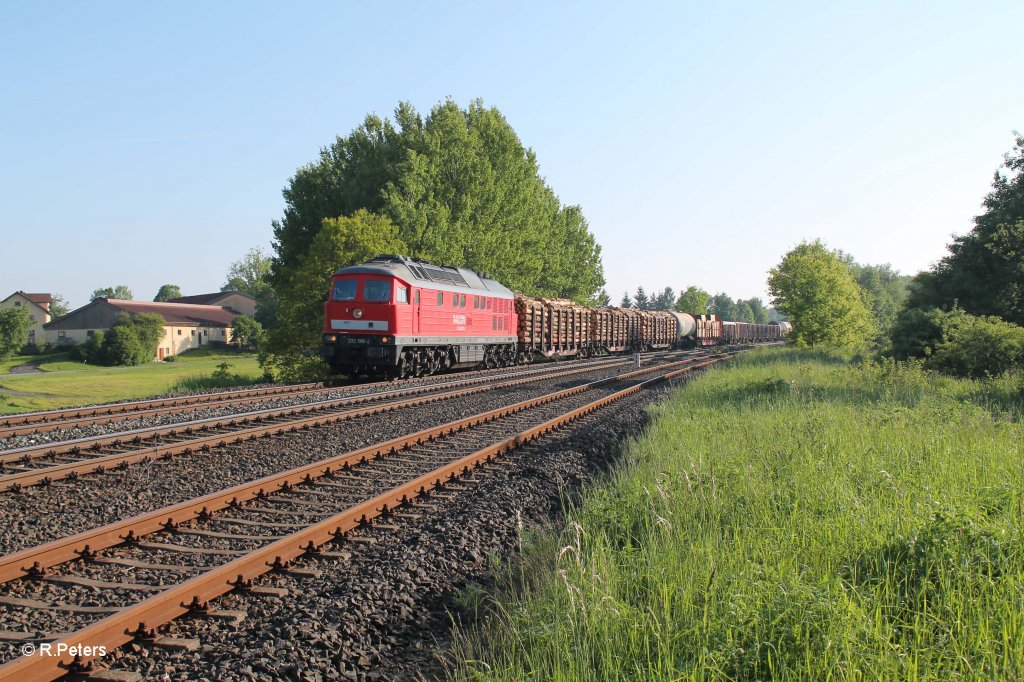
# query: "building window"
[[32, 318], [17, 304], [90, 333], [223, 332], [61, 335], [179, 332], [31, 333], [193, 332]]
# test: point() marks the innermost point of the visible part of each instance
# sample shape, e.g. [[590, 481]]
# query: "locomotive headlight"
[[330, 338], [357, 313], [383, 339]]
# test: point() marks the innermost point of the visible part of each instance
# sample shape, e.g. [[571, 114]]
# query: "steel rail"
[[100, 464], [112, 413], [25, 422], [34, 559], [76, 445], [195, 593], [109, 409]]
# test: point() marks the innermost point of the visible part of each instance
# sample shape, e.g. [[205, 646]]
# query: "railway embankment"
[[795, 514]]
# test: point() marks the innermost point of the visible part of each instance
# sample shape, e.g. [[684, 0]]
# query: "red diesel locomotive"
[[397, 316]]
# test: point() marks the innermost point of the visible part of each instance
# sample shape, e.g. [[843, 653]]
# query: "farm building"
[[38, 308], [187, 325], [236, 300]]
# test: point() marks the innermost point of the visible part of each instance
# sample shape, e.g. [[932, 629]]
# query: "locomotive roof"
[[440, 277]]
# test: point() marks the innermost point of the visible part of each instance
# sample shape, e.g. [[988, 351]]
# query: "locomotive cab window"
[[344, 290], [377, 290], [440, 298], [403, 295]]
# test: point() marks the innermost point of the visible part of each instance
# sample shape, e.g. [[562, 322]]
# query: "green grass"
[[87, 384], [43, 359], [791, 516]]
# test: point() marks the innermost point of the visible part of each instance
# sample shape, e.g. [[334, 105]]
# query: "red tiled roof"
[[39, 299], [180, 313]]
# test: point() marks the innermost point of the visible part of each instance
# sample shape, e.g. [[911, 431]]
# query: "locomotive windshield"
[[377, 290], [344, 290]]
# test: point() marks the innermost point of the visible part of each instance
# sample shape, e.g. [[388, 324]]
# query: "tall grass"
[[797, 515]]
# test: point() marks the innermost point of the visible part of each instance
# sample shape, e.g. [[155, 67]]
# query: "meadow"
[[62, 382], [794, 515]]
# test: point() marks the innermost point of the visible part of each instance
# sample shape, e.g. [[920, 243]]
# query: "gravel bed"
[[385, 612], [40, 514]]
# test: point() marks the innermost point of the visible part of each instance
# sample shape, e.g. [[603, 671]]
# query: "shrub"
[[132, 339], [980, 346], [92, 349], [14, 326], [918, 332], [122, 346], [36, 348], [957, 343]]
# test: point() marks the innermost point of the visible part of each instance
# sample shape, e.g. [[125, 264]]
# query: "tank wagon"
[[398, 317]]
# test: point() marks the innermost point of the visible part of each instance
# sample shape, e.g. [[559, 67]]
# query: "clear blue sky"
[[148, 143]]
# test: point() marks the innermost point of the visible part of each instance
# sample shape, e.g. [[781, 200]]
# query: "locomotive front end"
[[360, 323]]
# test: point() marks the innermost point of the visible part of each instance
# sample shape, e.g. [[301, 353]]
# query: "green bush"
[[917, 332], [978, 347], [122, 346], [132, 339], [957, 343]]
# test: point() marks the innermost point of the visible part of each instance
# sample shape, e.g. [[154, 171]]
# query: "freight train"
[[399, 317]]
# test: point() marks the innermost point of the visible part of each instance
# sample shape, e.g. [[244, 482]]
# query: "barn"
[[186, 325]]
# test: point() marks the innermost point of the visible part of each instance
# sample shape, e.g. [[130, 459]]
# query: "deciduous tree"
[[694, 300], [14, 326], [743, 312], [757, 308], [291, 350], [723, 307], [167, 292], [461, 189], [132, 339], [827, 307], [120, 293], [984, 270], [251, 275], [245, 331], [58, 306]]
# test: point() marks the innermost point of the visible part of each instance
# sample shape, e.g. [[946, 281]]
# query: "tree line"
[[699, 302], [963, 316]]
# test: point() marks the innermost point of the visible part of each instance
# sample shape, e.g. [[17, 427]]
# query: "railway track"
[[183, 556], [47, 463], [33, 423]]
